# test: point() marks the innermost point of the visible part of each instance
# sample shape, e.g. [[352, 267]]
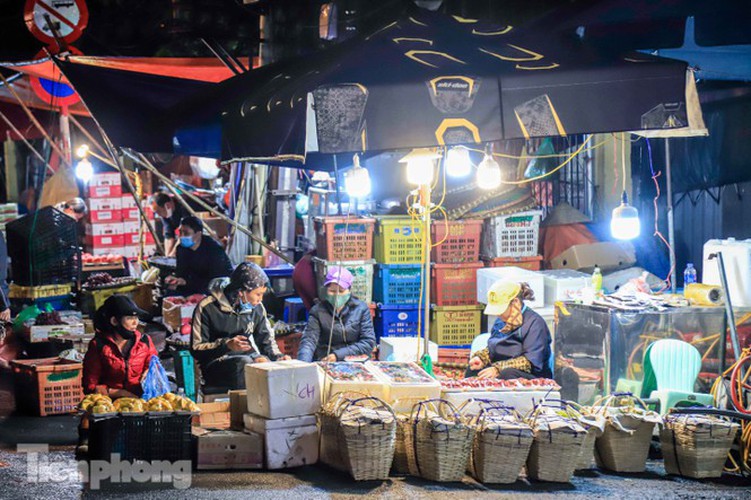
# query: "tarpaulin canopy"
[[427, 80]]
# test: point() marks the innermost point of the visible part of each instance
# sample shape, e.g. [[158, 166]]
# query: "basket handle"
[[439, 406], [370, 401]]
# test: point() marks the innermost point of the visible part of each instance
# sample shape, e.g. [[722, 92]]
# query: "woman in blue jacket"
[[340, 325]]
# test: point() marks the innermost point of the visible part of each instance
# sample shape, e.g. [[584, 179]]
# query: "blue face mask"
[[246, 307], [186, 241]]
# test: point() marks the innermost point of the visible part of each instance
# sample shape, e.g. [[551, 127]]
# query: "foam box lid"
[[488, 276], [260, 424]]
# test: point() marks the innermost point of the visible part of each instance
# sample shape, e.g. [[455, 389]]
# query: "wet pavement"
[[314, 482]]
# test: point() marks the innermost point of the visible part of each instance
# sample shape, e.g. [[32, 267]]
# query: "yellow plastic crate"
[[38, 292], [455, 325], [398, 240]]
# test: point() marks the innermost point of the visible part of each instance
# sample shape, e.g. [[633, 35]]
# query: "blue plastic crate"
[[397, 321], [294, 310], [397, 284]]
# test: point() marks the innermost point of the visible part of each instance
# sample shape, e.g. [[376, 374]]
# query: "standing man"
[[200, 259], [171, 212]]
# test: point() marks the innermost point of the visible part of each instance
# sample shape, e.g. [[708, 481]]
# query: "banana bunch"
[[130, 405], [95, 400]]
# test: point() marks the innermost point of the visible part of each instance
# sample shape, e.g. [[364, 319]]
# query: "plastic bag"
[[156, 382]]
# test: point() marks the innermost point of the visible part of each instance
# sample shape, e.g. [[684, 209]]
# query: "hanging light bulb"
[[357, 180], [625, 224], [458, 163], [488, 172], [84, 170], [82, 151], [420, 166]]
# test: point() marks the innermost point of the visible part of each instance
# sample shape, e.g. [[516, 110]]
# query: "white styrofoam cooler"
[[560, 284], [288, 442], [489, 275], [283, 389], [736, 254], [229, 450], [404, 349]]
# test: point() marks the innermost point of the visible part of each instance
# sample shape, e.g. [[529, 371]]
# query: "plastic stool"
[[185, 373], [294, 310]]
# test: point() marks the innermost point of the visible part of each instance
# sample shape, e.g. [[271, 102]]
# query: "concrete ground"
[[314, 482]]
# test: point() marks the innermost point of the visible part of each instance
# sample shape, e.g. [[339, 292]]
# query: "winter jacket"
[[104, 364], [531, 340], [200, 266], [352, 334], [215, 322]]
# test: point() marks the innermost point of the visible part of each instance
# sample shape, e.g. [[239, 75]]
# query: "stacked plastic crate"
[[512, 240], [346, 242], [398, 282], [455, 314]]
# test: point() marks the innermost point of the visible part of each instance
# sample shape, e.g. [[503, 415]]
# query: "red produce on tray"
[[485, 384]]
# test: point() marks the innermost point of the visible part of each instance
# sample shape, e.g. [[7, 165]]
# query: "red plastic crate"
[[344, 238], [458, 355], [530, 263], [454, 284], [47, 386], [456, 241], [289, 344]]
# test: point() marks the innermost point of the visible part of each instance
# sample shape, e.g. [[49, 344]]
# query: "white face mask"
[[169, 213]]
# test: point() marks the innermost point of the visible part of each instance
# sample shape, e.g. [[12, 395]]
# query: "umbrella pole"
[[425, 203], [671, 226]]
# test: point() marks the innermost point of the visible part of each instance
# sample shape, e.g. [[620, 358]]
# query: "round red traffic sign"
[[54, 92], [69, 17]]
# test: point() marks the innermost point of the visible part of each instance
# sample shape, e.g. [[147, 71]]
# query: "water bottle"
[[597, 280], [689, 275]]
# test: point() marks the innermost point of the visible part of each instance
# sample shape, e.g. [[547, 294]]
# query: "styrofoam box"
[[560, 284], [108, 203], [288, 442], [128, 201], [105, 229], [130, 227], [105, 179], [132, 239], [229, 450], [375, 388], [404, 349], [521, 401], [736, 255], [106, 250], [43, 333], [283, 389], [488, 276], [402, 396], [131, 251]]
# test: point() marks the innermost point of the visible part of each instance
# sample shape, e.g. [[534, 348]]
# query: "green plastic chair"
[[670, 371]]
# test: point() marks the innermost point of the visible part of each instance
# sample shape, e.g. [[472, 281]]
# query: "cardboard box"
[[288, 442], [213, 415], [105, 179], [283, 389], [607, 255], [128, 201], [238, 405], [173, 314], [105, 210], [108, 203], [104, 229], [133, 239], [43, 333], [105, 241], [105, 191], [228, 450]]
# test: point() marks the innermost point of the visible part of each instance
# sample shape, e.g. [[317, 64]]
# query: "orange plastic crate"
[[454, 284], [47, 386], [530, 263], [456, 241], [344, 238]]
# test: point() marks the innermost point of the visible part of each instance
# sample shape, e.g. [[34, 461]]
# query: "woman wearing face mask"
[[230, 328], [519, 344], [200, 259], [340, 325], [118, 357]]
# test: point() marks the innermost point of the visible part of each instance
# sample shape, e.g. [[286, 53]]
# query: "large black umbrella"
[[427, 80]]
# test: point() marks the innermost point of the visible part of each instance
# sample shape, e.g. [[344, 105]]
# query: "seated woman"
[[519, 344], [339, 326], [231, 329], [118, 357]]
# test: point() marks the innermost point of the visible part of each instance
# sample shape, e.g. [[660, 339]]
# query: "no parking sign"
[[52, 92], [69, 17]]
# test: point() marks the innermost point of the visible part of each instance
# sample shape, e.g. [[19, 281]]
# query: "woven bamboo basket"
[[624, 445], [587, 454], [367, 436], [330, 452], [556, 448], [400, 464], [594, 423], [501, 445], [439, 441], [696, 446]]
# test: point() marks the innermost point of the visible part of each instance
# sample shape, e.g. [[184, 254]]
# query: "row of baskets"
[[400, 240], [436, 441]]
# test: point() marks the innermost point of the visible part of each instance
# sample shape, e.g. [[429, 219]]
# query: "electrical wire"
[[655, 175]]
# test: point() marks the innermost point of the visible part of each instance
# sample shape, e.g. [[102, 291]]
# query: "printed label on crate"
[[108, 203], [459, 316], [105, 191], [111, 240], [402, 316], [105, 179], [131, 214], [106, 216], [104, 229]]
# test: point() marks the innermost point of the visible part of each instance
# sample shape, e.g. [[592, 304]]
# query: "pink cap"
[[339, 275]]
